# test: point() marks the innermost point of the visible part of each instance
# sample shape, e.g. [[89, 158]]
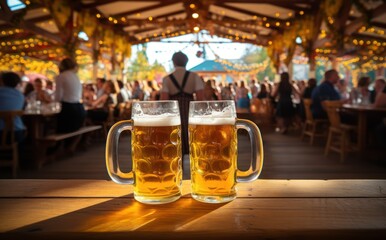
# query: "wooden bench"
[[61, 136], [50, 140]]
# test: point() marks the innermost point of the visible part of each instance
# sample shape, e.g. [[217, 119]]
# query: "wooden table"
[[364, 111], [39, 124], [96, 209]]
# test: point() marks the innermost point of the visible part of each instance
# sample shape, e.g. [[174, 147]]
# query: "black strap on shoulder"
[[174, 81], [185, 80]]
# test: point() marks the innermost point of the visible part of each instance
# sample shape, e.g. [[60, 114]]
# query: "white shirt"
[[68, 87], [193, 84]]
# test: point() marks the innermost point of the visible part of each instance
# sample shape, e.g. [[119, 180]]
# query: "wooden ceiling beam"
[[29, 26], [40, 19], [148, 8], [268, 1], [359, 22], [368, 37], [250, 13]]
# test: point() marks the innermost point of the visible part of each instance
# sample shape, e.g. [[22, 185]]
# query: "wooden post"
[[95, 57]]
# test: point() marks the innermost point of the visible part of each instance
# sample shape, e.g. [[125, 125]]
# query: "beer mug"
[[156, 152], [213, 151]]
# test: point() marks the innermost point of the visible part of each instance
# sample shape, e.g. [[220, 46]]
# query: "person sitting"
[[99, 109], [263, 93], [325, 91], [379, 85], [40, 93], [123, 94], [361, 94], [311, 84], [12, 99], [137, 92], [380, 130], [89, 94], [210, 92]]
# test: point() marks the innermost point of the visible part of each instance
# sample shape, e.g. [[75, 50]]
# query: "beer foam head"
[[156, 121], [212, 120]]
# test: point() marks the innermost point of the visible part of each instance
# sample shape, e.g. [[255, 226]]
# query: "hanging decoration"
[[61, 11], [87, 22], [108, 37], [122, 45]]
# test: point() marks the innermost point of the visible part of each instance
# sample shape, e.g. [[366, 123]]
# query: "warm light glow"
[[196, 29], [150, 18], [267, 25], [192, 6], [98, 15], [287, 24], [277, 24], [195, 15], [301, 12]]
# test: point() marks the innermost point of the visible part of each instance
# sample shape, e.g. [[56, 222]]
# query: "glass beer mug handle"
[[256, 156], [112, 153]]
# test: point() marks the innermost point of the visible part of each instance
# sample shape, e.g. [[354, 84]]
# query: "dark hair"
[[363, 81], [28, 88], [10, 79], [179, 59], [67, 64], [311, 82], [284, 81], [120, 84], [329, 73], [102, 80]]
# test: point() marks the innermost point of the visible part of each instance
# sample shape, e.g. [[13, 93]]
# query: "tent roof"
[[250, 21], [214, 66]]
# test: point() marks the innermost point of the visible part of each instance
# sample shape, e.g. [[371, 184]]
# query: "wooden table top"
[[275, 209], [358, 107]]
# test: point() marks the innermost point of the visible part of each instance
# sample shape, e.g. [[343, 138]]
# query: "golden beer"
[[213, 156], [156, 152]]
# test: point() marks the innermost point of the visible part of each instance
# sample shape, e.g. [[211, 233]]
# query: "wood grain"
[[258, 189], [243, 217]]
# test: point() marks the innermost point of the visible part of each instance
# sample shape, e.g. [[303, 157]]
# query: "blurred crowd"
[[284, 95]]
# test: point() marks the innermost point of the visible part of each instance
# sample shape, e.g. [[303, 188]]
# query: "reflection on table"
[[267, 209]]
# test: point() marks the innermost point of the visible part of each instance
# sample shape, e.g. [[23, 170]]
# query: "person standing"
[[242, 98], [285, 109], [69, 93], [181, 85]]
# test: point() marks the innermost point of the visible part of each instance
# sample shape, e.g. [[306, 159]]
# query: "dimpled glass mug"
[[156, 152], [213, 150]]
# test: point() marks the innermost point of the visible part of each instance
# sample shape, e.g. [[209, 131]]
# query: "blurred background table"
[[364, 113], [96, 209]]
